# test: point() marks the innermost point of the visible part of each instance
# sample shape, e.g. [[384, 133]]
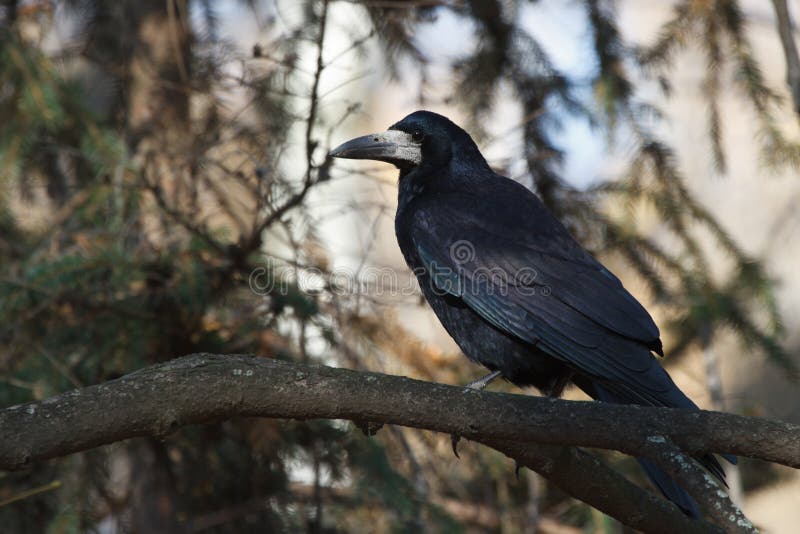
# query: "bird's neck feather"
[[455, 167], [411, 185]]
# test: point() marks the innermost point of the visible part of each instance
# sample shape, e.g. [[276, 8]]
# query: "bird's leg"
[[483, 381], [477, 385], [558, 386]]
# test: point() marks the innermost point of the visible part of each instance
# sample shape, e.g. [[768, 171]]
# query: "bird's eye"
[[417, 136]]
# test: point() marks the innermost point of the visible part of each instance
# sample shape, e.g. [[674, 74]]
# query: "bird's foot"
[[483, 381], [368, 428], [454, 439], [477, 385]]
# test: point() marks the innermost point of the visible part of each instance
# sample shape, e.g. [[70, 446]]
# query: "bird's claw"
[[517, 467], [454, 439], [369, 428]]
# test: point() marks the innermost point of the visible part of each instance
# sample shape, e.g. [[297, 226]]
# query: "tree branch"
[[700, 485], [585, 477], [203, 388]]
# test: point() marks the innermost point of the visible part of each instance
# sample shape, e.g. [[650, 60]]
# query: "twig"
[[254, 241], [31, 492], [312, 110], [785, 31], [179, 217]]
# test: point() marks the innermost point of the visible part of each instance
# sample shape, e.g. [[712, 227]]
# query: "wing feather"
[[568, 305]]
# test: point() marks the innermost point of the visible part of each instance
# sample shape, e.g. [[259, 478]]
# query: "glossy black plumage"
[[515, 291]]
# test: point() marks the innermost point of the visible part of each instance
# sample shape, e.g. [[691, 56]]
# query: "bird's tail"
[[671, 490], [666, 484]]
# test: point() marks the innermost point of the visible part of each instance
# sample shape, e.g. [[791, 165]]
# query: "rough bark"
[[203, 388]]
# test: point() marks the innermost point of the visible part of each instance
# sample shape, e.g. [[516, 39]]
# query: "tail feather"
[[670, 488], [676, 399]]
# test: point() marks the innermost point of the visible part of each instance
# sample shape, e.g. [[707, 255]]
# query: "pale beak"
[[391, 146]]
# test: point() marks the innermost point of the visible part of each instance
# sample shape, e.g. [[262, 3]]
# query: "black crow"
[[509, 283]]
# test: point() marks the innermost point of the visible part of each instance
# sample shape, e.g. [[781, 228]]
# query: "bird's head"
[[421, 139]]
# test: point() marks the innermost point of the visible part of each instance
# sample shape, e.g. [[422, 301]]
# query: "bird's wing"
[[534, 282]]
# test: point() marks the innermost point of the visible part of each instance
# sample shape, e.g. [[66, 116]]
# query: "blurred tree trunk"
[[157, 106], [153, 495], [156, 110], [715, 391], [532, 507], [158, 90], [10, 8]]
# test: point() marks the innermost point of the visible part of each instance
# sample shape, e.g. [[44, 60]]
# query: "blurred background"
[[164, 190]]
